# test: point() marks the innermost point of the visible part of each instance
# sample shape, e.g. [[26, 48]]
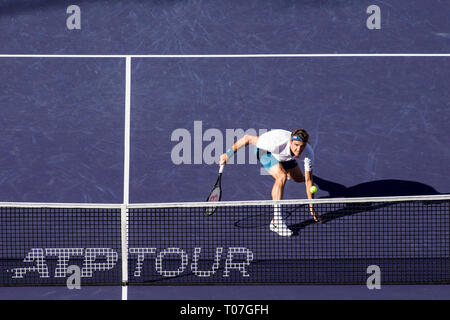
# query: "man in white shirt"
[[278, 151]]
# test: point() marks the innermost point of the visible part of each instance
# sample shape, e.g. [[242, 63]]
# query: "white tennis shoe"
[[281, 228]]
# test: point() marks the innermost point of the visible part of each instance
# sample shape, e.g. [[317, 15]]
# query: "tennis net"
[[407, 239]]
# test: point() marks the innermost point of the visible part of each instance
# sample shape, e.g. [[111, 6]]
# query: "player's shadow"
[[378, 188]]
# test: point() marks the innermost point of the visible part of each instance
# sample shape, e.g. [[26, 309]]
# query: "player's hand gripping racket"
[[215, 195]]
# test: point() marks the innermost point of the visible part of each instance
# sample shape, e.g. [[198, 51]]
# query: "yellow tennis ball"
[[313, 189]]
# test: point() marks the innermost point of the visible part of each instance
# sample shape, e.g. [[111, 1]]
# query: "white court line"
[[126, 179], [176, 56], [126, 176]]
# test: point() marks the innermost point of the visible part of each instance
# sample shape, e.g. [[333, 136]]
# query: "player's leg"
[[277, 224], [280, 175], [275, 169]]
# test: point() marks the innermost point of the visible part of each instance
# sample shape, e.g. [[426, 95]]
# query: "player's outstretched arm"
[[242, 142], [309, 183]]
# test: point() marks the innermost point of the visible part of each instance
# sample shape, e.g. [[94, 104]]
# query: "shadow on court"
[[348, 210], [378, 188]]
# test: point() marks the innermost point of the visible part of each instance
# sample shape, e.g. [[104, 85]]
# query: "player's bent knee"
[[281, 178]]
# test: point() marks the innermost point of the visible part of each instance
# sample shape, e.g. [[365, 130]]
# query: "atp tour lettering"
[[105, 259]]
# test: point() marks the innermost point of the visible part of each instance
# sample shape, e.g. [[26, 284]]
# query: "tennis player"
[[278, 152]]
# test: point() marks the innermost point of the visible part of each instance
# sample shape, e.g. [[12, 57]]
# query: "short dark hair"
[[302, 134]]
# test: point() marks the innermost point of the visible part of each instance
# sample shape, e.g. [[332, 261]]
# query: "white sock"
[[277, 214]]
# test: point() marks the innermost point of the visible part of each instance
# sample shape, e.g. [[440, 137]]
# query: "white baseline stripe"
[[159, 56]]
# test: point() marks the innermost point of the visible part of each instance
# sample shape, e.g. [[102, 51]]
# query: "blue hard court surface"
[[378, 125]]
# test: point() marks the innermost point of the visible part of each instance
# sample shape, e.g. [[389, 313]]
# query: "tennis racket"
[[215, 195]]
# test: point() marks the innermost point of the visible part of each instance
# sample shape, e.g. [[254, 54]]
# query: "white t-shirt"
[[277, 142]]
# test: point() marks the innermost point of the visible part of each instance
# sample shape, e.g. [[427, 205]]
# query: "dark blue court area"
[[192, 77]]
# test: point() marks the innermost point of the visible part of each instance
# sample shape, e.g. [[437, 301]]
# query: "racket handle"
[[221, 168]]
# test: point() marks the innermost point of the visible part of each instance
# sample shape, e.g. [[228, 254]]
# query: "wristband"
[[230, 152]]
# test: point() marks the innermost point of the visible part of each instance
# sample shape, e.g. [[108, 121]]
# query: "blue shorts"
[[267, 160]]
